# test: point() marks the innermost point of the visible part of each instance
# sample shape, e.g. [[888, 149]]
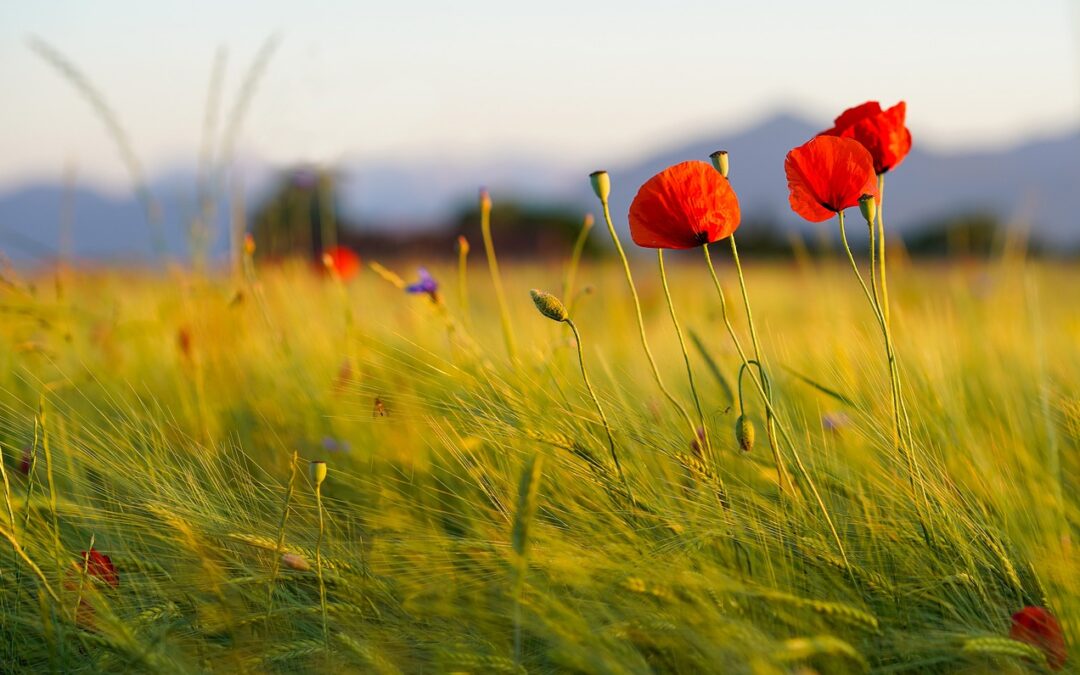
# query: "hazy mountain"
[[1035, 181]]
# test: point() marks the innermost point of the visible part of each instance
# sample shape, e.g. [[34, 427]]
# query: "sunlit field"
[[473, 518]]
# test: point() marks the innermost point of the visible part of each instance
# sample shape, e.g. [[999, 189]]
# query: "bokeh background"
[[134, 131]]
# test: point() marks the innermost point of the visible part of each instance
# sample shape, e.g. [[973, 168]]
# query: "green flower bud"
[[601, 184], [868, 206], [317, 469], [549, 305], [720, 162], [744, 433]]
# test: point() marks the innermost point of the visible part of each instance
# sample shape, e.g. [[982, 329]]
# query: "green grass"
[[447, 547]]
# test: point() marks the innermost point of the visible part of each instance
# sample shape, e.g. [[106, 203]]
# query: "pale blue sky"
[[601, 82]]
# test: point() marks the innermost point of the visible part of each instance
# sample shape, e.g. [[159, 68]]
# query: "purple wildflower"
[[427, 284]]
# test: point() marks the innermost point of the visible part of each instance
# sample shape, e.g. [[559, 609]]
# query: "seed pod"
[[744, 433], [601, 184], [549, 305], [720, 162], [317, 469], [868, 206]]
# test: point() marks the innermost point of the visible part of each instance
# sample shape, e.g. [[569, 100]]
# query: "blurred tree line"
[[300, 218]]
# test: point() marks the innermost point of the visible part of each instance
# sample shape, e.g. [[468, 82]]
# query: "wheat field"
[[472, 518]]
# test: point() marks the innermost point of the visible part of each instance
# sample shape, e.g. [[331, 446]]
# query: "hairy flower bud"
[[601, 184], [744, 433], [549, 305]]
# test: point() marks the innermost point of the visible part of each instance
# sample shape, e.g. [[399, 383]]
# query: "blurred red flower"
[[1039, 628], [827, 175], [342, 261], [882, 132], [100, 566], [684, 206]]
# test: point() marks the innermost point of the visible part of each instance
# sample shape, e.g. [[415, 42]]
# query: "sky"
[[598, 82]]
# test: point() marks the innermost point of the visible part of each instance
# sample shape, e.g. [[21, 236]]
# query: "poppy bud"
[[720, 162], [868, 206], [744, 433], [485, 200], [601, 184], [549, 305], [317, 469]]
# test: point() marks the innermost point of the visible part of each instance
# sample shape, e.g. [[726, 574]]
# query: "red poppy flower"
[[1039, 628], [99, 565], [828, 175], [882, 132], [684, 206], [343, 261]]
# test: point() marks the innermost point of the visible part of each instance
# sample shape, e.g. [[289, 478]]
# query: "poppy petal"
[[684, 206], [1039, 628], [882, 132], [827, 175]]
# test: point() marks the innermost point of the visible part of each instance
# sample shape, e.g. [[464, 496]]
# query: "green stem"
[[319, 566], [575, 257], [275, 564], [496, 281], [783, 431], [770, 424], [899, 446], [463, 286], [686, 355], [599, 409], [641, 322], [782, 476]]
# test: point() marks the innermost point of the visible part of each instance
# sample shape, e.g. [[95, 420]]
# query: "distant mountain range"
[[1036, 182]]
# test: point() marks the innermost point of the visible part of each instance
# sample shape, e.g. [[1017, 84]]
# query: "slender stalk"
[[641, 322], [770, 410], [686, 355], [318, 562], [575, 257], [782, 477], [881, 250], [783, 431], [899, 446], [275, 564], [496, 279], [463, 284], [770, 424], [599, 409]]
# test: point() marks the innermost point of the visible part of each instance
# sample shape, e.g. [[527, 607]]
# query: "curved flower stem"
[[318, 563], [575, 257], [770, 424], [600, 410], [783, 479], [899, 445], [881, 249], [686, 355], [783, 432], [641, 322]]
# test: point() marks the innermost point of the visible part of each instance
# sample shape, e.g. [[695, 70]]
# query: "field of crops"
[[161, 512]]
